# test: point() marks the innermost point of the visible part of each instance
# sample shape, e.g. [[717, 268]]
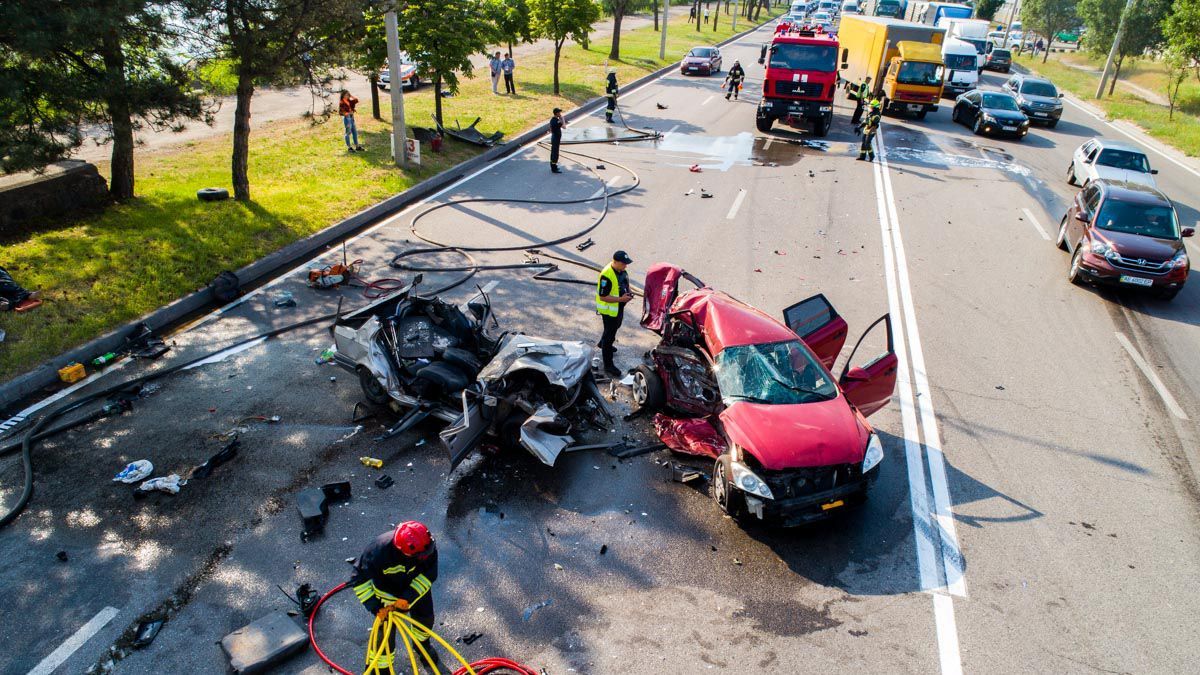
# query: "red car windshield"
[[779, 373]]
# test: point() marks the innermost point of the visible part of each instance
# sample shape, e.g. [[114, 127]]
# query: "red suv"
[[1125, 234]]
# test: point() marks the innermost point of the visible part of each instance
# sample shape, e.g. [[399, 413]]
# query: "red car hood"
[[796, 436], [1137, 246]]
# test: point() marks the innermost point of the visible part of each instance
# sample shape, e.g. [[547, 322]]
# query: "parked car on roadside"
[[1113, 160], [1038, 98], [999, 60], [789, 442], [990, 112], [701, 61], [1125, 234], [409, 76]]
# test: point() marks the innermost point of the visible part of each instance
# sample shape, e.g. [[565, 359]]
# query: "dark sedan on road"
[[1038, 98], [998, 59], [990, 112], [1125, 234], [701, 61]]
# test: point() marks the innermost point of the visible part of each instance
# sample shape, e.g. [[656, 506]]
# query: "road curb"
[[42, 378]]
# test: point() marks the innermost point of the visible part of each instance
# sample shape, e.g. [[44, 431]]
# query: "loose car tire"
[[647, 388], [374, 391], [212, 194]]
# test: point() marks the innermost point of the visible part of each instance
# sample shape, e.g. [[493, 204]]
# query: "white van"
[[850, 7], [962, 66]]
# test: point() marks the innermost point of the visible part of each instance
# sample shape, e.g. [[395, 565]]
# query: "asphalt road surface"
[[1037, 506]]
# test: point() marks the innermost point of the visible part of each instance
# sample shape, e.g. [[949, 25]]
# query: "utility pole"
[[396, 86], [1116, 47], [662, 37], [735, 13], [1012, 15]]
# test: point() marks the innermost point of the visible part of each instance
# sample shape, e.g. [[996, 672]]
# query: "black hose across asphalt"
[[471, 266], [39, 430]]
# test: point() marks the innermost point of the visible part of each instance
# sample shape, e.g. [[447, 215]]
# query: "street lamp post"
[[396, 85], [662, 37]]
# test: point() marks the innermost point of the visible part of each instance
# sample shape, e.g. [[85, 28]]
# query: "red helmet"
[[413, 539]]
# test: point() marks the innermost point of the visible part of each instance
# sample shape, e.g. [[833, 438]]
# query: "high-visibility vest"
[[608, 308]]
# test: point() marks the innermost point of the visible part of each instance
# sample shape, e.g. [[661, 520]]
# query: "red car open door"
[[869, 387], [819, 325]]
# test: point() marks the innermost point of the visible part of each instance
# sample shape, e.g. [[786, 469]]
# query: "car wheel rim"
[[719, 486], [1075, 265], [639, 387]]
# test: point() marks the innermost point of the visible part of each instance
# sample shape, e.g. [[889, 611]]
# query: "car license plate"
[[1136, 281], [915, 107], [1009, 128], [691, 67], [1041, 114]]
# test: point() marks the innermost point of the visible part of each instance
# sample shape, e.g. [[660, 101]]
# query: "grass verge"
[[102, 270], [1182, 132]]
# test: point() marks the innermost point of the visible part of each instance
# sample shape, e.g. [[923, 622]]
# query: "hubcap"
[[639, 387]]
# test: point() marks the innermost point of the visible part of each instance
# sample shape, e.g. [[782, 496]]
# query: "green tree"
[[273, 42], [367, 52], [617, 8], [1179, 65], [986, 9], [440, 37], [1182, 30], [99, 62], [562, 20], [1048, 18], [1143, 28], [511, 18]]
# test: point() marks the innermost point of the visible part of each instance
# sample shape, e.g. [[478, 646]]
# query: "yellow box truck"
[[903, 60]]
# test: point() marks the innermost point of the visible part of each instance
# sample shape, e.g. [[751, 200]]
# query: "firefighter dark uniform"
[[384, 574], [610, 90], [869, 126], [556, 126], [734, 80], [862, 94]]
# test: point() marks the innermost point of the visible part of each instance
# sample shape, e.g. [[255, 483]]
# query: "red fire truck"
[[801, 78]]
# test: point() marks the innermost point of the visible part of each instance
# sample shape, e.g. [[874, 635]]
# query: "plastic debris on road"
[[169, 484], [134, 472], [285, 299], [326, 356], [529, 611]]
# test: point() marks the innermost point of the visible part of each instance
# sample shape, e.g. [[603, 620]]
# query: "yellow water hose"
[[380, 652]]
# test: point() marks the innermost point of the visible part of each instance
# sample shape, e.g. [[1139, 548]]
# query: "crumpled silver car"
[[439, 360]]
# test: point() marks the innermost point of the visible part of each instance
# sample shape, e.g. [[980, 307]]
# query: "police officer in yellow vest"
[[612, 292]]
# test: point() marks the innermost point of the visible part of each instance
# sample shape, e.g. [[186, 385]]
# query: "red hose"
[[482, 667]]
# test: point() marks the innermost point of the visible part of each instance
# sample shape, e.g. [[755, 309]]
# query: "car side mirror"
[[1081, 216], [1060, 94], [856, 375], [1189, 231], [1154, 171]]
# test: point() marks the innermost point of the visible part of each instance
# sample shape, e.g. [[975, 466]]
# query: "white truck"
[[962, 67], [974, 31]]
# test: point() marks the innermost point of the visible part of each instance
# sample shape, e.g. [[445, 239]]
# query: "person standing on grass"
[[494, 66], [508, 65], [346, 107], [556, 126]]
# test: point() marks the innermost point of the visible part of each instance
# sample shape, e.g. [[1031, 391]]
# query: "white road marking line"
[[1178, 163], [1036, 224], [1158, 385], [600, 192], [951, 555], [705, 101], [73, 643], [737, 204], [670, 131], [55, 398], [923, 529], [768, 143], [226, 353]]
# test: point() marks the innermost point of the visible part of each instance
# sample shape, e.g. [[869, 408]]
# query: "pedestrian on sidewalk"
[[610, 90], [495, 67], [346, 106], [556, 126], [733, 80], [395, 573], [612, 292], [15, 297], [508, 65]]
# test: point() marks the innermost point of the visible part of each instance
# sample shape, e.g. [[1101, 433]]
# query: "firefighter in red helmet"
[[396, 574]]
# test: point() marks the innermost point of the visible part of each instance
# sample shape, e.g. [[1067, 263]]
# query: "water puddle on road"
[[721, 153], [947, 160]]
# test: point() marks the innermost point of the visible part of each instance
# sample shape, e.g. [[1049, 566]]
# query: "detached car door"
[[819, 325], [869, 387]]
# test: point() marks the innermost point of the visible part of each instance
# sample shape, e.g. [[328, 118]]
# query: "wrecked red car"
[[791, 443]]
